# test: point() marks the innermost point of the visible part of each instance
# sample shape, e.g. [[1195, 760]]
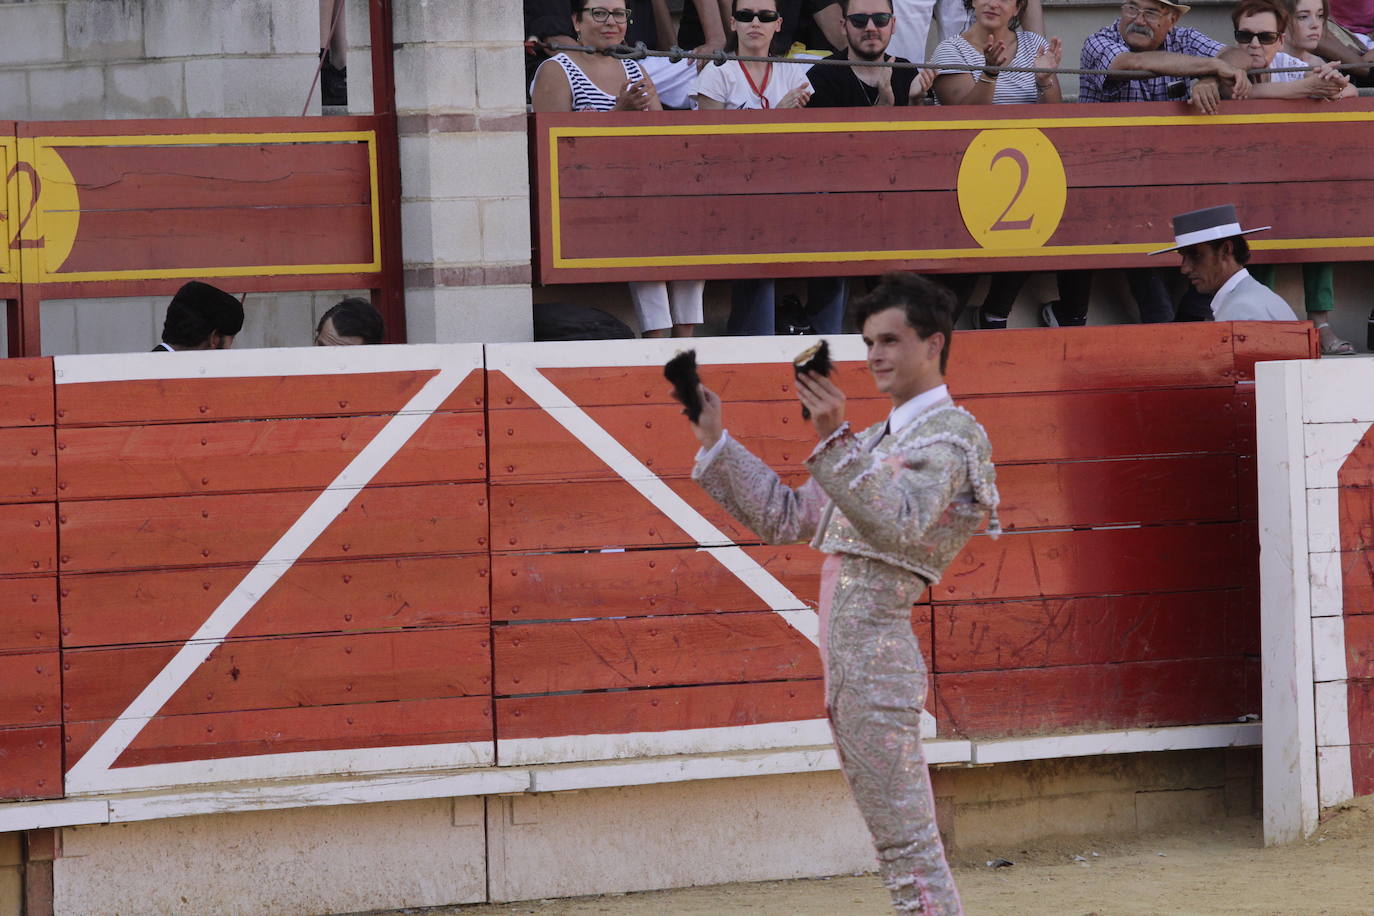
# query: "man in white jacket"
[[1214, 252]]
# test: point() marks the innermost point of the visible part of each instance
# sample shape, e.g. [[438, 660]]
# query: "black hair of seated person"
[[929, 306], [199, 310], [354, 317]]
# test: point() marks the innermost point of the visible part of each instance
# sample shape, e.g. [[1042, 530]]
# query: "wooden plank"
[[122, 534], [250, 398], [1362, 769], [529, 444], [158, 178], [26, 392], [662, 709], [1360, 709], [166, 286], [178, 459], [1358, 468], [333, 596], [1356, 518], [210, 736], [30, 763], [218, 237], [1103, 562], [166, 130], [650, 652], [1085, 698], [1359, 647], [1357, 578], [30, 689], [253, 674], [28, 464], [1096, 630], [637, 583], [858, 161], [28, 614], [1259, 341], [28, 539]]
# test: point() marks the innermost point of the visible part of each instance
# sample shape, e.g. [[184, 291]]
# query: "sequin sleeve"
[[753, 493], [892, 499]]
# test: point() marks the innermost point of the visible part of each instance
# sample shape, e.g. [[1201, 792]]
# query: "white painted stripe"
[[1186, 737], [346, 762], [1334, 776], [1328, 587], [619, 459], [682, 769], [92, 771], [1333, 714], [656, 352], [1334, 390], [574, 748], [235, 364], [1328, 649], [62, 813], [1323, 520]]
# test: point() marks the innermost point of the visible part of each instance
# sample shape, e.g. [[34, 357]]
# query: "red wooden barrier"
[[845, 192], [1356, 495]]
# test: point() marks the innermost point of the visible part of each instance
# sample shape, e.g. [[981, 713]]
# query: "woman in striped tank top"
[[581, 81]]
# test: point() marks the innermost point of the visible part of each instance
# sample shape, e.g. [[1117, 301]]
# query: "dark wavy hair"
[[929, 306], [199, 310], [354, 317]]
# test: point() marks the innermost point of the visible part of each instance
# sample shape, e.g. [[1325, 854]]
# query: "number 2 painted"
[[36, 185], [1003, 224]]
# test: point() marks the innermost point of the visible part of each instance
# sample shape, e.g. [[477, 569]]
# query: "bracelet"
[[983, 77]]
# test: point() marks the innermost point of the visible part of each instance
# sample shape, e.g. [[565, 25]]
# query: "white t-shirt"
[[1286, 60], [729, 85], [911, 27]]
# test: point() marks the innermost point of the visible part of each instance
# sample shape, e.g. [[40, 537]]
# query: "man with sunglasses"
[[868, 26]]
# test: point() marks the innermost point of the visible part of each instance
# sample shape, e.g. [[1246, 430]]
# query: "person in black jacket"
[[201, 317]]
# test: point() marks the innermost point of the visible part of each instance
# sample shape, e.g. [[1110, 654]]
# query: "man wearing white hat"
[[1215, 253]]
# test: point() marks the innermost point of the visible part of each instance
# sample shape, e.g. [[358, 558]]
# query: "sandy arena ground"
[[1223, 869]]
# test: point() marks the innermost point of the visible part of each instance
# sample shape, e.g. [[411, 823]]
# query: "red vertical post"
[[390, 299]]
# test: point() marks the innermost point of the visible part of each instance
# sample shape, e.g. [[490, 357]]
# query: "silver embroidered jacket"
[[912, 500]]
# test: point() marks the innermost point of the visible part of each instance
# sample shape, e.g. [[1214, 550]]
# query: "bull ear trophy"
[[681, 371], [815, 358]]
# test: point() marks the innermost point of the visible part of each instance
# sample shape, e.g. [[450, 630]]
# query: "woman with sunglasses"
[[1259, 29], [754, 26], [583, 81]]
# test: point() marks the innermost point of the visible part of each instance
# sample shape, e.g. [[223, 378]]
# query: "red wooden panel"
[[640, 583], [1360, 709], [28, 539], [28, 464], [169, 739], [664, 709], [1258, 341], [1362, 769], [26, 397], [1357, 518], [1357, 576], [1103, 561], [252, 398], [269, 175], [31, 762], [343, 595], [199, 530], [224, 236], [1358, 468], [176, 459], [1247, 487], [650, 652], [1359, 647], [287, 672], [28, 614], [848, 162], [30, 689], [1088, 698], [1095, 630]]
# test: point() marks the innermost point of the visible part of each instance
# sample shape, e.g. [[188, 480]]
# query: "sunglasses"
[[760, 15], [861, 20], [1244, 37]]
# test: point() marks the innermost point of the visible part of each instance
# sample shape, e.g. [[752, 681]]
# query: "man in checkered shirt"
[[1147, 37]]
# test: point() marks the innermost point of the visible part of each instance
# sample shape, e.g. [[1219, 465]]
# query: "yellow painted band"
[[288, 270], [830, 257]]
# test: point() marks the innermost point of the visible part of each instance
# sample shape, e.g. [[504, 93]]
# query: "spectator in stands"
[[1260, 26], [350, 323], [1214, 252], [1147, 37], [996, 38], [581, 81], [701, 19], [867, 30], [200, 317], [754, 24]]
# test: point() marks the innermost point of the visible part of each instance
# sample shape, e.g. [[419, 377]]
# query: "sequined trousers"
[[875, 693]]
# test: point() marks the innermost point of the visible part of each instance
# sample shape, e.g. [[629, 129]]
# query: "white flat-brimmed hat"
[[1207, 225]]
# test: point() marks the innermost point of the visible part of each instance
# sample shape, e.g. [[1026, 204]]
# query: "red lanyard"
[[758, 91]]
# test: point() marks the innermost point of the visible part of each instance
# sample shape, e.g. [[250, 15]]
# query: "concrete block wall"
[[464, 168]]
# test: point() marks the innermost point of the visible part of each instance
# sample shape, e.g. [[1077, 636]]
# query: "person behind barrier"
[[582, 81], [1260, 26], [200, 317], [1214, 252], [352, 322], [890, 507], [812, 23], [867, 31], [733, 84]]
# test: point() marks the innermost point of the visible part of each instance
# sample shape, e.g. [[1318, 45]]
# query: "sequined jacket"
[[912, 499]]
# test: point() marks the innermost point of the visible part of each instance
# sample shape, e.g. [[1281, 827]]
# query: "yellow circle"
[[1012, 188], [48, 211]]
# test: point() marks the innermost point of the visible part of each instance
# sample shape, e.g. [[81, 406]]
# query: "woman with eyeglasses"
[[583, 81], [1260, 26], [754, 26]]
